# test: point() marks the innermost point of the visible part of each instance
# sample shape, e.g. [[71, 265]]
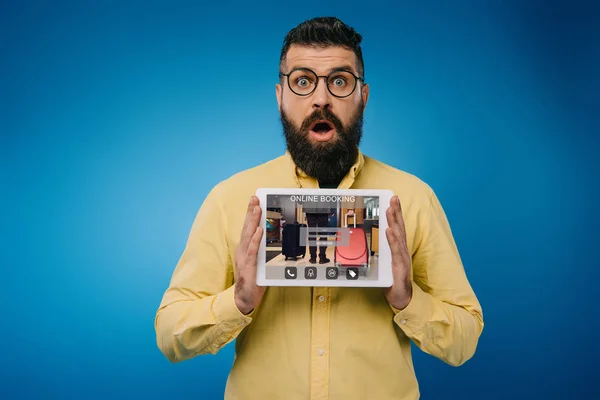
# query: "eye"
[[303, 81], [339, 81]]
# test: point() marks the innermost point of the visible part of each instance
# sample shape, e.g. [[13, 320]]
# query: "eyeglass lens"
[[303, 82]]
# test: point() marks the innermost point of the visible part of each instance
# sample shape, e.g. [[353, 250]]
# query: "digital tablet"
[[324, 237]]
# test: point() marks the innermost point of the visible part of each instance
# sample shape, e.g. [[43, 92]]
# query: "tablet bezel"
[[384, 278]]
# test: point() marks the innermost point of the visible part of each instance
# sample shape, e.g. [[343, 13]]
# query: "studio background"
[[117, 118]]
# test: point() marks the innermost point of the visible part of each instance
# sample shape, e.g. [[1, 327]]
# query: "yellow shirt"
[[319, 343]]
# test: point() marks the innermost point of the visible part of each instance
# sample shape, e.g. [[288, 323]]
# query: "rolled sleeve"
[[417, 313], [227, 314]]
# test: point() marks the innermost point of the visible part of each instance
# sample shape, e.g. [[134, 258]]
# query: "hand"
[[247, 294], [400, 294]]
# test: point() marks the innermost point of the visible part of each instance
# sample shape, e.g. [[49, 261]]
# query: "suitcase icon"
[[356, 254], [290, 246]]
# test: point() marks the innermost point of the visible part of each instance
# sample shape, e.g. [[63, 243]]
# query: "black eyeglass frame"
[[357, 79]]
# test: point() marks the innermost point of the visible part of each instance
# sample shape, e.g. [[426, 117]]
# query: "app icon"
[[352, 273], [290, 272], [310, 272], [331, 273]]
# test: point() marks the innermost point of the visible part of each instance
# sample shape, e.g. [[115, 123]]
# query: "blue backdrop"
[[117, 118]]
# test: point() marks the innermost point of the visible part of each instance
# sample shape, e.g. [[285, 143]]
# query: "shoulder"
[[398, 180], [245, 182]]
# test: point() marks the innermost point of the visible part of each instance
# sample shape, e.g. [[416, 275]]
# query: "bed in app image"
[[321, 238]]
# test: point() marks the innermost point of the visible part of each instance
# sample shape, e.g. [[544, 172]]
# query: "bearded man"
[[320, 342]]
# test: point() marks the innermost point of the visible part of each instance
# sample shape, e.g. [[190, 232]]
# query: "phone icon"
[[290, 272]]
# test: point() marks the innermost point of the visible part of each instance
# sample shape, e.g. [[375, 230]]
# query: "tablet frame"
[[384, 278]]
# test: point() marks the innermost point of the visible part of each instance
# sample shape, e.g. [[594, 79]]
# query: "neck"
[[329, 185]]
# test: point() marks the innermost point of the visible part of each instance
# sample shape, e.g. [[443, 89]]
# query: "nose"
[[321, 95]]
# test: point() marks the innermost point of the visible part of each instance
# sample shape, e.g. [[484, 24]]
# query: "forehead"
[[320, 59]]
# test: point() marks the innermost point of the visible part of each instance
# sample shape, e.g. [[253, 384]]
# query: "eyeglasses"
[[340, 83]]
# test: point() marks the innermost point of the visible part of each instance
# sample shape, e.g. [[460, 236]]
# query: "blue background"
[[117, 118]]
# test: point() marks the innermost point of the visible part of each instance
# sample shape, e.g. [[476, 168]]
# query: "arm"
[[198, 313], [443, 316]]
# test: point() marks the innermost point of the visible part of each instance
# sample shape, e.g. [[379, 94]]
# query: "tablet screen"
[[322, 238]]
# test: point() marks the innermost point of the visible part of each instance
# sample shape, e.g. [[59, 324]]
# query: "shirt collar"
[[304, 181]]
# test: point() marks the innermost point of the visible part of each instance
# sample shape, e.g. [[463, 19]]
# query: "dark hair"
[[323, 32]]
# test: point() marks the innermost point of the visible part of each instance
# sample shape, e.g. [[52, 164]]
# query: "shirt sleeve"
[[444, 317], [198, 314]]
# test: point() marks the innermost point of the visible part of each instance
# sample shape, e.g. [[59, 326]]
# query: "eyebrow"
[[346, 67]]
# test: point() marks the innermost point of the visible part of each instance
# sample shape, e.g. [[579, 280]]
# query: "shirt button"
[[403, 322], [321, 298], [321, 352]]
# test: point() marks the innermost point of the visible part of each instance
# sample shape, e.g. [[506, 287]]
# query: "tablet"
[[324, 237]]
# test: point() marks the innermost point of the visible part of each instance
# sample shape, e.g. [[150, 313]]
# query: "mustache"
[[321, 114]]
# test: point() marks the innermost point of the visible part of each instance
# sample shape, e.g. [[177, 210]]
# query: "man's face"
[[322, 131]]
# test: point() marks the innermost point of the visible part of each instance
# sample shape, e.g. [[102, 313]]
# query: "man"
[[320, 343], [317, 216]]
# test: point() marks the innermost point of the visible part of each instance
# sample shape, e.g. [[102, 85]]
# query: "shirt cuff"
[[226, 312], [416, 314]]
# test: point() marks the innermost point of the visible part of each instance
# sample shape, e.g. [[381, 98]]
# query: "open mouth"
[[321, 127]]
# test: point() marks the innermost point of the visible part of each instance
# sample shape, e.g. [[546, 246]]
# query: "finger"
[[394, 248], [394, 205], [393, 202], [398, 232], [391, 238], [249, 209], [251, 221], [398, 226], [253, 201], [399, 217], [391, 218], [400, 259], [393, 222], [253, 246]]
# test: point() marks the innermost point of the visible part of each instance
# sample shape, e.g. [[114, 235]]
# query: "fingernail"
[[254, 210], [250, 202]]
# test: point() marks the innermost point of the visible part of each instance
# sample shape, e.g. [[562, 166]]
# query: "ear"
[[278, 94], [365, 95]]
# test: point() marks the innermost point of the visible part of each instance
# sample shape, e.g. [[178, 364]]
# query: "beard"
[[329, 161]]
